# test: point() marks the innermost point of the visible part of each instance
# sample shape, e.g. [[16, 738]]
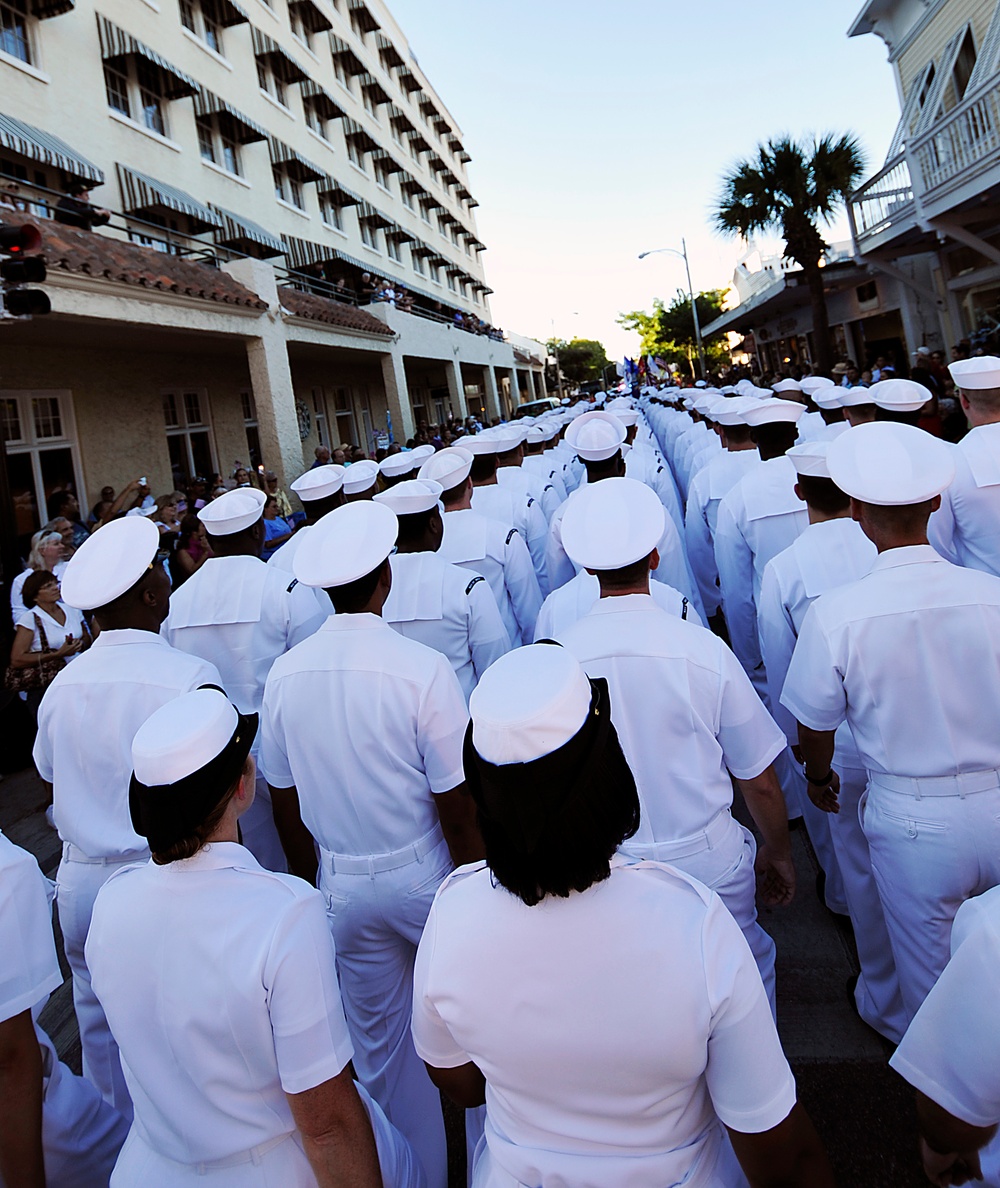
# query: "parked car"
[[535, 408]]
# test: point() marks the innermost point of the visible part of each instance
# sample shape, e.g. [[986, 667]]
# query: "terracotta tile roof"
[[333, 313], [521, 357], [93, 254]]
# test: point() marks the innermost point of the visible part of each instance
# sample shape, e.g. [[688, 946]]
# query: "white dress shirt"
[[450, 609], [367, 726], [514, 509], [529, 485], [637, 1100], [571, 602], [684, 710], [966, 529], [550, 471], [709, 487], [56, 633], [219, 981], [86, 722], [909, 656], [283, 559], [499, 554]]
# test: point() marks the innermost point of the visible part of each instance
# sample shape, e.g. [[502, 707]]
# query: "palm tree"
[[791, 187]]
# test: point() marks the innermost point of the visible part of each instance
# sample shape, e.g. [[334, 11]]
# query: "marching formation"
[[439, 799]]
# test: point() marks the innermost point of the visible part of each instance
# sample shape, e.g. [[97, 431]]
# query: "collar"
[[622, 602], [128, 635], [907, 555], [216, 856], [365, 621]]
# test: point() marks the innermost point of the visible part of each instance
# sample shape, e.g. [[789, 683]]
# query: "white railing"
[[884, 199], [962, 141]]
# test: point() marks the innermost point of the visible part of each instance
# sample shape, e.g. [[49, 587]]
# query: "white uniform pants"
[[877, 993], [722, 858], [259, 833], [78, 881], [280, 1163], [377, 917], [817, 823], [930, 852]]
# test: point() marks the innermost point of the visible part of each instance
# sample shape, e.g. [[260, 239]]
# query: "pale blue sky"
[[600, 130]]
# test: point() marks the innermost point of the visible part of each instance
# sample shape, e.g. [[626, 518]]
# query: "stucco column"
[[503, 398], [456, 387], [397, 396], [515, 387], [271, 375], [492, 395]]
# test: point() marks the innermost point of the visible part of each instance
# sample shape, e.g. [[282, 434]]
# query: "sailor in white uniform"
[[515, 476], [55, 1128], [240, 615], [688, 717], [858, 406], [320, 490], [220, 983], [397, 468], [909, 656], [966, 528], [362, 735], [951, 1053], [361, 480], [579, 595], [828, 400], [86, 723], [832, 552], [898, 400], [432, 601], [683, 1079], [484, 546], [538, 461], [644, 463]]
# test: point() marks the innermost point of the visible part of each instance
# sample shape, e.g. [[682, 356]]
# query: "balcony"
[[955, 161]]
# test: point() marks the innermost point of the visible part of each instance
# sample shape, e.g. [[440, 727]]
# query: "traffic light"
[[20, 268]]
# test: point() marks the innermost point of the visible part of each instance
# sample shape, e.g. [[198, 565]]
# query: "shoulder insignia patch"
[[684, 608], [510, 535], [295, 582], [478, 578], [531, 500]]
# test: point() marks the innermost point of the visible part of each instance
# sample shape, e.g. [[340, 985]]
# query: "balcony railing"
[[883, 200]]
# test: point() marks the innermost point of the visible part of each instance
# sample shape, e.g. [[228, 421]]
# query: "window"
[[392, 248], [435, 271], [134, 89], [250, 427], [299, 28], [189, 434], [14, 39], [151, 102], [418, 265], [964, 64], [369, 235], [287, 188], [201, 17], [468, 247], [319, 416], [383, 175], [332, 214], [407, 196], [344, 416], [340, 73], [315, 121], [116, 86], [425, 211], [270, 83], [218, 146], [451, 282], [414, 151], [355, 154]]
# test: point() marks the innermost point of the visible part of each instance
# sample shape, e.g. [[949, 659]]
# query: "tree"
[[581, 359], [792, 188], [668, 332]]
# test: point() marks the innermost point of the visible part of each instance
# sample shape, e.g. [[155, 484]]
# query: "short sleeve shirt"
[[29, 969]]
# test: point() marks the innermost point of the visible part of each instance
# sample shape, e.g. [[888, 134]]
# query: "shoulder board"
[[510, 535], [295, 582], [477, 578], [684, 609]]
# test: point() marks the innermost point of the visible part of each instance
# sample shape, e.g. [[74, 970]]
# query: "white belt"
[[717, 830], [254, 1156], [371, 864], [965, 783], [73, 853]]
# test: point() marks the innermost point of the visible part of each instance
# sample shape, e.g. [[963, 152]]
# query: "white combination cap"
[[611, 524], [809, 458], [109, 562], [596, 436], [420, 454], [851, 397], [359, 476], [770, 412], [529, 703], [319, 483], [787, 385], [233, 512], [394, 465], [974, 375], [889, 464], [183, 736], [899, 395], [732, 410], [448, 467], [347, 543], [411, 497]]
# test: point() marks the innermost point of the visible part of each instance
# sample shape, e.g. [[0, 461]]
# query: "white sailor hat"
[[359, 476], [320, 482], [628, 416], [611, 524], [809, 458], [851, 397], [345, 544], [890, 464], [745, 387], [565, 400], [770, 412], [596, 436], [411, 497], [183, 736], [541, 431], [529, 703], [448, 467], [619, 402], [700, 384], [480, 444], [732, 410], [828, 397], [760, 393], [396, 464], [899, 395], [687, 402], [420, 454], [109, 562], [233, 512], [704, 404], [974, 375], [811, 384], [786, 385], [507, 437]]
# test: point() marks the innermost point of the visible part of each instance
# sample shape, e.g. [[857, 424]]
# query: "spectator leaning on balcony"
[[75, 209]]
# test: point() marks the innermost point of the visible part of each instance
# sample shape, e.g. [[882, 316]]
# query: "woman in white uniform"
[[605, 1057], [219, 984]]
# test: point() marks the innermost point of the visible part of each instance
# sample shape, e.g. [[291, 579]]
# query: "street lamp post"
[[694, 305]]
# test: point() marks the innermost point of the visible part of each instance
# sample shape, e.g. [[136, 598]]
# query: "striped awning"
[[348, 58], [374, 88], [230, 13], [243, 129], [400, 234], [388, 52], [476, 243], [389, 161], [311, 15], [454, 143], [371, 214], [436, 164], [408, 80], [340, 194], [361, 136], [292, 161], [116, 44], [28, 141], [455, 270], [418, 142], [42, 9], [422, 249], [141, 193], [236, 230], [470, 202], [280, 60], [464, 157], [409, 184], [363, 16], [313, 95]]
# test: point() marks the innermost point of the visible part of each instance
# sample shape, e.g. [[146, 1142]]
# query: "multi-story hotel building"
[[266, 164]]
